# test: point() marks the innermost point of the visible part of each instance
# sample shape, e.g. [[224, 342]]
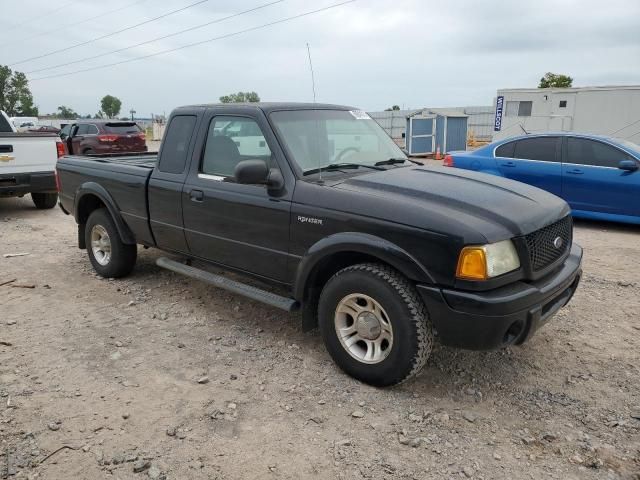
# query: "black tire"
[[44, 201], [122, 257], [88, 151], [404, 310]]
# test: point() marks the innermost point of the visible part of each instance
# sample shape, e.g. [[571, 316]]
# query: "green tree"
[[66, 112], [5, 79], [111, 106], [15, 96], [240, 97], [395, 107], [556, 80]]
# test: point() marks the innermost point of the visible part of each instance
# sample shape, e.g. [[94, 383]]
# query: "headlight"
[[487, 261]]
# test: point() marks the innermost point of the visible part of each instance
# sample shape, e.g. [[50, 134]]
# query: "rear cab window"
[[175, 146], [4, 125]]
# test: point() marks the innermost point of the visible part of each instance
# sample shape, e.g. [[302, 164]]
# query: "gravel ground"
[[159, 376]]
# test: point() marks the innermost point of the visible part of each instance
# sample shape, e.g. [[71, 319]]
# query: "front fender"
[[362, 243], [97, 190]]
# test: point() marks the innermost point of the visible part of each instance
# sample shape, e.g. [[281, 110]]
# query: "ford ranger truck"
[[318, 209]]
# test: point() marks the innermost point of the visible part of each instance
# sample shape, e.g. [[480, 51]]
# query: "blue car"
[[598, 176]]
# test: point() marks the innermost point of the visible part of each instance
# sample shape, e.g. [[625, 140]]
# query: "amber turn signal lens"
[[472, 264]]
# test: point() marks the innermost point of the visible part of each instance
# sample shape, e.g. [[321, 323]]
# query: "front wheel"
[[374, 324], [44, 201], [109, 256]]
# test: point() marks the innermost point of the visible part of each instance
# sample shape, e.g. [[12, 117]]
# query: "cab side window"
[[582, 151], [231, 140]]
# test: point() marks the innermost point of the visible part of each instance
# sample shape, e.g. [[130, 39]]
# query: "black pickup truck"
[[318, 202]]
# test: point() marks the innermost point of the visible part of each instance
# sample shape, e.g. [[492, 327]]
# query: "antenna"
[[313, 88], [313, 80]]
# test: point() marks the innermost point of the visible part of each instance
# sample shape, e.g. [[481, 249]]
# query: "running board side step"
[[219, 281]]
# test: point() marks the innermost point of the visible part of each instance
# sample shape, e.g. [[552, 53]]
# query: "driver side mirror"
[[628, 165], [256, 172]]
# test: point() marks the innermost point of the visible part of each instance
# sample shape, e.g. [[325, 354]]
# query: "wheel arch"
[[92, 196], [333, 253]]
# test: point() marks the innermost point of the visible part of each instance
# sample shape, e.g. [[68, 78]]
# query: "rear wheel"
[[44, 200], [109, 256], [374, 324]]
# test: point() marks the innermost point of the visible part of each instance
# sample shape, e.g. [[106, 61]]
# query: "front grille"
[[540, 244]]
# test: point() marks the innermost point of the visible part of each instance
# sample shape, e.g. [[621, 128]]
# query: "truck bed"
[[124, 178]]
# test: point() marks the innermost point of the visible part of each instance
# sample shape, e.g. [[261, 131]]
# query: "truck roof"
[[268, 107]]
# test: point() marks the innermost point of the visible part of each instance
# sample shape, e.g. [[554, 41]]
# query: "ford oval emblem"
[[558, 242]]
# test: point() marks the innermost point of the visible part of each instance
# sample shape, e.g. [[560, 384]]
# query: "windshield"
[[319, 138]]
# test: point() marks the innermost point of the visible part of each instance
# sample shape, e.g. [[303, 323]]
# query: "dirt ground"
[[166, 375]]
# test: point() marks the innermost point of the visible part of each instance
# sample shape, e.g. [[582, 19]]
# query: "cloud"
[[371, 53]]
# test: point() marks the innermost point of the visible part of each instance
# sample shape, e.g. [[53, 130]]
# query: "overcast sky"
[[370, 53]]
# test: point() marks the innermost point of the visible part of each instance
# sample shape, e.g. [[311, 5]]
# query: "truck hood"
[[436, 198]]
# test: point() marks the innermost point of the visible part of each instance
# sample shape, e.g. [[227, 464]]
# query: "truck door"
[[591, 179], [239, 226], [165, 184], [535, 161]]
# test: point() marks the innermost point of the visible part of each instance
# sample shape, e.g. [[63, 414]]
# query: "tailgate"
[[27, 153]]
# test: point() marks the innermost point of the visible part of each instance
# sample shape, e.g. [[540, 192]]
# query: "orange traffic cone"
[[438, 156]]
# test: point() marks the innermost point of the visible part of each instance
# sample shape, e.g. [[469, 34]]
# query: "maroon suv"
[[103, 136]]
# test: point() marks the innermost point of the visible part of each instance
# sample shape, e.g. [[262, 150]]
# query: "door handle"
[[508, 164], [575, 171], [6, 158], [196, 195]]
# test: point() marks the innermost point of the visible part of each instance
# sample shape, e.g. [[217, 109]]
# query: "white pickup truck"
[[27, 164]]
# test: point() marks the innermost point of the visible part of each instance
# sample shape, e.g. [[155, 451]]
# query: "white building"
[[611, 111]]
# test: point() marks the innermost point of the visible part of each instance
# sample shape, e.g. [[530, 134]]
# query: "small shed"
[[433, 128]]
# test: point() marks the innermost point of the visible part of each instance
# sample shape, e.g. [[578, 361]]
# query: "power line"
[[157, 38], [625, 127], [233, 34], [32, 19], [104, 14], [66, 49]]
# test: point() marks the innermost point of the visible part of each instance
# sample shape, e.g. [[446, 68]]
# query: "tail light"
[[108, 138], [142, 136], [61, 149], [448, 161], [58, 184]]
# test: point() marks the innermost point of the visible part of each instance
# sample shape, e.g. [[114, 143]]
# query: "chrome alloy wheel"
[[100, 245], [363, 328]]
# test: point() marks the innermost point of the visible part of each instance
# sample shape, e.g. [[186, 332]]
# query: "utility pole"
[[132, 112]]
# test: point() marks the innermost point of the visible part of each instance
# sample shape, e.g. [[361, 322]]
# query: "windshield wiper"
[[391, 161], [337, 166]]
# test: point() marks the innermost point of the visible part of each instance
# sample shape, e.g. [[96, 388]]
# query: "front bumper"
[[504, 316], [17, 184]]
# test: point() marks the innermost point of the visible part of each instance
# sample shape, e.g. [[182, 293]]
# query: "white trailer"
[[613, 111]]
